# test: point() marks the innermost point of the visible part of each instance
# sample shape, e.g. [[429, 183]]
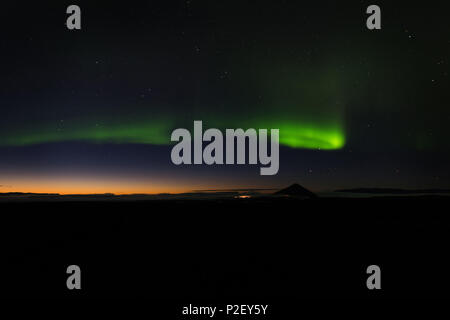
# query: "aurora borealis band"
[[92, 111], [295, 135]]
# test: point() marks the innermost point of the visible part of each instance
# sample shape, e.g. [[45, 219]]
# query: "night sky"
[[91, 111]]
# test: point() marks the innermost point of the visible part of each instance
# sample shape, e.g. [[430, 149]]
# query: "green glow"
[[305, 104], [305, 101], [312, 132], [292, 134], [154, 132], [297, 136]]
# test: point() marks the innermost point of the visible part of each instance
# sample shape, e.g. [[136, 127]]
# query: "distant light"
[[243, 197]]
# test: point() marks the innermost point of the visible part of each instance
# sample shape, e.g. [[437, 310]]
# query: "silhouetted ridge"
[[393, 191], [297, 191]]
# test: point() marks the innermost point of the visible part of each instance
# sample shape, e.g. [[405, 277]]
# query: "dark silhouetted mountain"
[[393, 191], [296, 190]]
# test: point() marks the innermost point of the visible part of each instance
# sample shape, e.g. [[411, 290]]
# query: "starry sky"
[[91, 111]]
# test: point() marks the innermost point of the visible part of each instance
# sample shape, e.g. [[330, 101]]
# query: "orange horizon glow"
[[89, 191], [89, 185], [104, 185]]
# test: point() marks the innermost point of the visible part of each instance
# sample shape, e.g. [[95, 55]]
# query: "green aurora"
[[157, 132], [305, 103]]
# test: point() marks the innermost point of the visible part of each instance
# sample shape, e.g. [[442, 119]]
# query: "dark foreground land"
[[227, 250]]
